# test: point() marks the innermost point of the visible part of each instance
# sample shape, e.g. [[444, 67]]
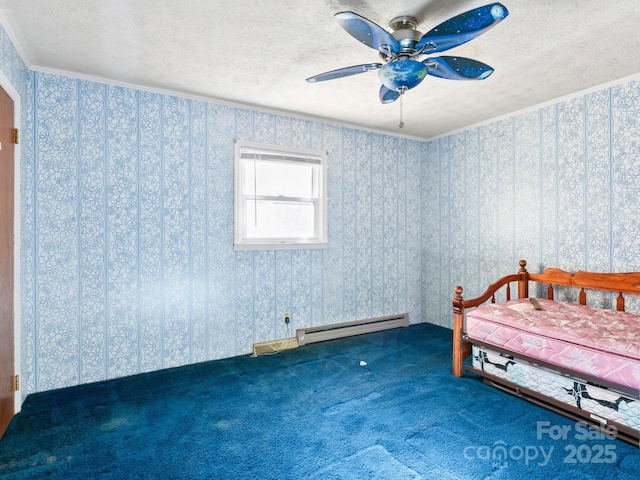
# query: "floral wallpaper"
[[134, 267], [126, 253], [557, 186]]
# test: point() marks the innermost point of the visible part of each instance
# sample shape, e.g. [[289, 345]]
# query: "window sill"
[[280, 246]]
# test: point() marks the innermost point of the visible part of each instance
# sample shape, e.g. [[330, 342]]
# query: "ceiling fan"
[[404, 46]]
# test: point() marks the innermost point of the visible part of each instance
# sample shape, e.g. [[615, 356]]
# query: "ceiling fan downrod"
[[403, 29]]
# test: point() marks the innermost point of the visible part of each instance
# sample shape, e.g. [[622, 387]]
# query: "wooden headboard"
[[611, 282]]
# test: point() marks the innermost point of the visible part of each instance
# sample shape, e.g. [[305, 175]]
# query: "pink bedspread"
[[601, 343]]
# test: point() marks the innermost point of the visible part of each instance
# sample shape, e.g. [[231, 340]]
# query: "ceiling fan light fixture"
[[402, 75]]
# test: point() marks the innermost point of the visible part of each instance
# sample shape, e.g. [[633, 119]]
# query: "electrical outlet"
[[286, 316]]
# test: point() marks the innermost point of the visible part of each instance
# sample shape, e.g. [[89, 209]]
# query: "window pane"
[[279, 179], [280, 219]]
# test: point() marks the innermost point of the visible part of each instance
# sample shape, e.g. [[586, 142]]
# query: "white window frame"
[[243, 150]]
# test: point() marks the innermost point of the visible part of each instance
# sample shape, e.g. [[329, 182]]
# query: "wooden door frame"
[[17, 330]]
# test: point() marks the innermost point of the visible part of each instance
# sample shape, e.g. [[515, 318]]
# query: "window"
[[280, 197]]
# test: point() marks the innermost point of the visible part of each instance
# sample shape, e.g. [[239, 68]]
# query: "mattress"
[[598, 402], [604, 344]]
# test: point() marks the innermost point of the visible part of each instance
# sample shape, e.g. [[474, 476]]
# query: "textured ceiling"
[[258, 53]]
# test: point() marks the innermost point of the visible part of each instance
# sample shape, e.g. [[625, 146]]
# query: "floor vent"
[[347, 329], [274, 346]]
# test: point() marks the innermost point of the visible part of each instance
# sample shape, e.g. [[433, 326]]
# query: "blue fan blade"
[[388, 96], [457, 68], [367, 32], [462, 28], [344, 72]]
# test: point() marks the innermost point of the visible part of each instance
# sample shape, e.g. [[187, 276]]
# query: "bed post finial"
[[461, 348], [457, 299], [523, 283]]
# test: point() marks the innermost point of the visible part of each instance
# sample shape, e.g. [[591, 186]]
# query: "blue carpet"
[[314, 412]]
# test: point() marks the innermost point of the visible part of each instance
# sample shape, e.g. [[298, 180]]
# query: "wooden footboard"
[[461, 346]]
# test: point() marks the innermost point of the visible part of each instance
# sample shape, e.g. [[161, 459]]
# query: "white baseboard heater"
[[347, 329]]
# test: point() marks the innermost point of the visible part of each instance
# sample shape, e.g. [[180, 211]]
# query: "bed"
[[570, 357]]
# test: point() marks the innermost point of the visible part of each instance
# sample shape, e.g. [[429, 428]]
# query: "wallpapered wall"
[[133, 261], [558, 187]]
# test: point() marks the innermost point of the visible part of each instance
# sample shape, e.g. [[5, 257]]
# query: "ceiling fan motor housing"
[[403, 29]]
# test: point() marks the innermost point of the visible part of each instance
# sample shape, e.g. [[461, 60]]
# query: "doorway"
[[7, 334]]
